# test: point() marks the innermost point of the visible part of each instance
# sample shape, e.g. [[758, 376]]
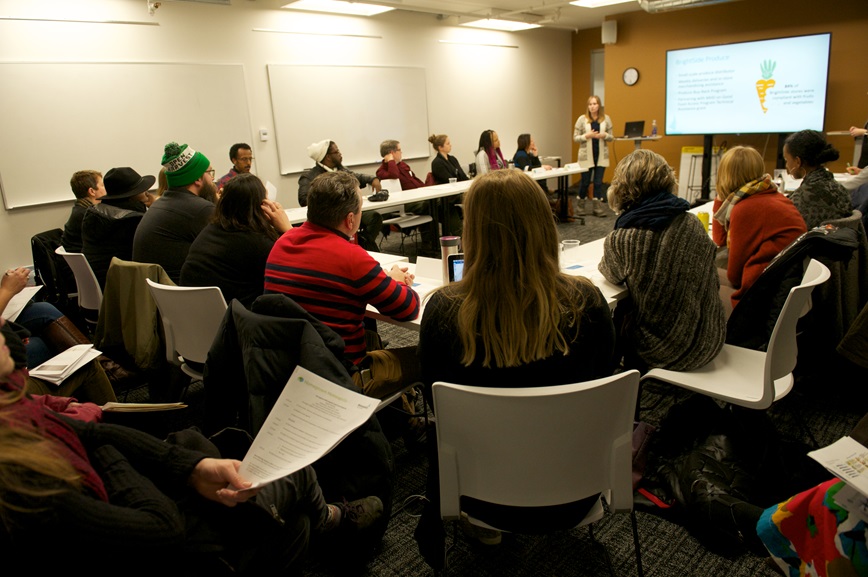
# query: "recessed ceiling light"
[[338, 7], [598, 3], [505, 25]]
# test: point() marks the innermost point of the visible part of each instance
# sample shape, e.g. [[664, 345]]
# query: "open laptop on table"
[[634, 129]]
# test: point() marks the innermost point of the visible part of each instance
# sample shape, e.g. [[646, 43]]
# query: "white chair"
[[191, 317], [89, 291], [407, 223], [537, 447], [750, 378]]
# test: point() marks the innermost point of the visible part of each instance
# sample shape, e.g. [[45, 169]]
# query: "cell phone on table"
[[455, 264]]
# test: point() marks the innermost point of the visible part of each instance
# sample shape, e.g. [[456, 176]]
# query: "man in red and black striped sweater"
[[331, 278]]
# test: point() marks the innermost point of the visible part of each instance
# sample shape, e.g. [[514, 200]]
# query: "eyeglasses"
[[212, 172]]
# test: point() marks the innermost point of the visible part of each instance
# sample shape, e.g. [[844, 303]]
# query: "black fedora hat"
[[125, 182]]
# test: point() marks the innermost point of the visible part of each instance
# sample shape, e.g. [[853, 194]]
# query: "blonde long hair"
[[738, 166], [30, 464], [513, 299]]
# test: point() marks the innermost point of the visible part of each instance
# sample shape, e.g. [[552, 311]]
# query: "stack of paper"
[[19, 301], [58, 369]]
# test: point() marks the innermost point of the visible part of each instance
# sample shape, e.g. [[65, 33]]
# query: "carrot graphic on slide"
[[763, 84]]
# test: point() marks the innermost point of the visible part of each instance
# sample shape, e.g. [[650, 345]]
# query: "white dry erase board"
[[358, 107], [58, 118]]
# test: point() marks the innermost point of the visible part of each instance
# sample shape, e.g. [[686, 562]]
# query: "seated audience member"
[[171, 225], [108, 228], [328, 158], [320, 269], [394, 167], [231, 251], [514, 319], [751, 218], [241, 156], [88, 188], [819, 198], [445, 166], [675, 319], [527, 157], [488, 155], [858, 175], [187, 510]]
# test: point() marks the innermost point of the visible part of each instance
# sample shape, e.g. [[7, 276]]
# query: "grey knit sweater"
[[678, 322]]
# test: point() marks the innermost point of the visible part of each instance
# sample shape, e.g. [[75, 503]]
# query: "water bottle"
[[448, 245], [653, 128]]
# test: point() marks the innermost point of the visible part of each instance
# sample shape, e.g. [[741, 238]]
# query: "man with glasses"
[[394, 167], [241, 156], [171, 225], [328, 158]]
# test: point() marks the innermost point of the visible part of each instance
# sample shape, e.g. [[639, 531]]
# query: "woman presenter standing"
[[592, 131]]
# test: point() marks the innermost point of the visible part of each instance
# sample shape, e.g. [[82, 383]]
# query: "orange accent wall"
[[643, 40]]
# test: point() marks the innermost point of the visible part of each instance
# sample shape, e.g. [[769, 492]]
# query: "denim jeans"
[[35, 317], [597, 173]]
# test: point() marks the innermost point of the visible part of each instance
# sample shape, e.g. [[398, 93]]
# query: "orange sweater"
[[760, 227]]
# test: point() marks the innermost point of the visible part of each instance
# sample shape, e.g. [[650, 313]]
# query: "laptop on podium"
[[634, 129]]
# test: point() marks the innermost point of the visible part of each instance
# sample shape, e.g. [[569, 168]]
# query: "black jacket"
[[107, 230]]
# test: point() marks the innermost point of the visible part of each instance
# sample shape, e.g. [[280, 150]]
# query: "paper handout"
[[311, 416], [19, 301], [58, 369], [847, 459]]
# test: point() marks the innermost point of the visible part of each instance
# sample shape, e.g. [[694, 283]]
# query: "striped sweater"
[[678, 322], [334, 280]]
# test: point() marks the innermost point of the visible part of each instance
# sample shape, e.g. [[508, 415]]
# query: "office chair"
[[749, 378], [537, 447]]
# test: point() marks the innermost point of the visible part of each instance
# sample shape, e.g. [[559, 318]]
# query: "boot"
[[580, 207], [61, 334], [598, 208]]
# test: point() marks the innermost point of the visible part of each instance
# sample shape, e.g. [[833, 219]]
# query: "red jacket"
[[760, 227], [401, 171]]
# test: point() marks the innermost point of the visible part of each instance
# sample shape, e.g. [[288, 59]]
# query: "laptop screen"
[[634, 129]]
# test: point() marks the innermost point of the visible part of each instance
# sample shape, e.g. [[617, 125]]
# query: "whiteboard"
[[357, 107], [58, 118]]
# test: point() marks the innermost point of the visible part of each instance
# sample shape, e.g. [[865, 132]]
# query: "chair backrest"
[[782, 351], [51, 270], [391, 184], [536, 446], [89, 291], [191, 317]]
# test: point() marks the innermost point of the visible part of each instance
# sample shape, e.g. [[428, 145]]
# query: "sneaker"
[[481, 534], [355, 515], [598, 208]]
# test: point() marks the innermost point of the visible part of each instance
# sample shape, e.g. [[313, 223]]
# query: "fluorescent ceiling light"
[[504, 25], [598, 3], [338, 7]]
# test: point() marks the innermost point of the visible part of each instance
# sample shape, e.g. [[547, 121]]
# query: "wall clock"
[[631, 76]]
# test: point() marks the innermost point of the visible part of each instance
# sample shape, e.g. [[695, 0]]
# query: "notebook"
[[634, 129]]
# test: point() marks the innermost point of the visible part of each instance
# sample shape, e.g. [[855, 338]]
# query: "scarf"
[[495, 159], [654, 212], [762, 184]]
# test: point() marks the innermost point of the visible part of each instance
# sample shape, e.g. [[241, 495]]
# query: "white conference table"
[[582, 260], [299, 215]]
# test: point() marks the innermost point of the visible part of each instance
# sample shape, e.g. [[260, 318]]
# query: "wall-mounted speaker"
[[610, 31]]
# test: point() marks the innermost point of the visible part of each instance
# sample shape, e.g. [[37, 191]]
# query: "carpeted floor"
[[669, 549]]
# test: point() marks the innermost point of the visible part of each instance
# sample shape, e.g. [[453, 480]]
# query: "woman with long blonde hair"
[[751, 218], [593, 132], [514, 319]]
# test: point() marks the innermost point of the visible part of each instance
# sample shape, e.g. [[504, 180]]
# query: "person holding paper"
[[488, 155], [241, 156], [125, 501], [230, 253], [751, 218], [593, 130]]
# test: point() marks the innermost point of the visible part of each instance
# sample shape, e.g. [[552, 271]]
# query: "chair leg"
[[639, 570]]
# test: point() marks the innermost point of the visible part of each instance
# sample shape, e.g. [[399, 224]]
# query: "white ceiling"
[[552, 13]]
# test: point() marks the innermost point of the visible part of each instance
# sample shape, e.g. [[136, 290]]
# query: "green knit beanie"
[[183, 164]]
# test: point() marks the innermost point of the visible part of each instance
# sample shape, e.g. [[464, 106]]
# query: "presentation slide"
[[767, 86]]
